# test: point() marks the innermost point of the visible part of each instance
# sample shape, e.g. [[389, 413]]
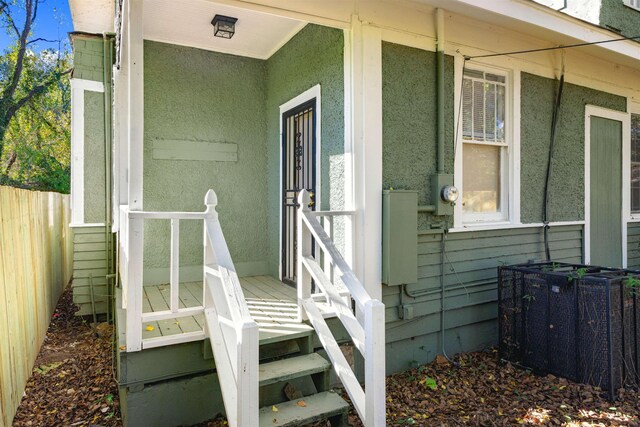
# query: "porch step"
[[310, 409], [273, 335], [291, 368]]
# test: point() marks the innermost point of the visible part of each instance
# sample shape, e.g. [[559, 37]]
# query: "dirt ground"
[[73, 385]]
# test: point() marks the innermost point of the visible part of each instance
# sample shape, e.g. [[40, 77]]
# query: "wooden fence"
[[35, 267]]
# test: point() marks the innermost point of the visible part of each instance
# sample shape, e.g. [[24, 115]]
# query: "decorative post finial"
[[211, 199], [304, 199]]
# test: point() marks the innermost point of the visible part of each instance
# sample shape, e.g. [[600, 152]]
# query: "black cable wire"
[[518, 52], [552, 143], [456, 133]]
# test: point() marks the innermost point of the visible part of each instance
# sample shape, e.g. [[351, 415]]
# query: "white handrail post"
[[123, 259], [134, 284], [248, 389], [374, 364], [210, 202], [175, 264], [304, 249]]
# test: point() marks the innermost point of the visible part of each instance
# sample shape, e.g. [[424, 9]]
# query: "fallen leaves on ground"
[[72, 381], [72, 385], [479, 390]]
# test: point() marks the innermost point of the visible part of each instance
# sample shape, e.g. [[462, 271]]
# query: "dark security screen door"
[[298, 172], [606, 194]]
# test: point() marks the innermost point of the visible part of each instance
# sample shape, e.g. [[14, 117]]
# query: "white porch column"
[[134, 11], [136, 101], [365, 50], [121, 128]]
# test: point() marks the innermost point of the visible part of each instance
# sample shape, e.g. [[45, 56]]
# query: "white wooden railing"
[[233, 333], [366, 329], [131, 246]]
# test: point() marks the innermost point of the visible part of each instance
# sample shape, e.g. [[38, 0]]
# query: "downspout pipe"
[[107, 59], [440, 41]]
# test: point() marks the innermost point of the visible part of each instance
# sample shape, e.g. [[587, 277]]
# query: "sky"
[[52, 23]]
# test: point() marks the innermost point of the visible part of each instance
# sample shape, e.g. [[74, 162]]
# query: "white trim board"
[[85, 225], [509, 226], [633, 107], [78, 87], [624, 118], [309, 94]]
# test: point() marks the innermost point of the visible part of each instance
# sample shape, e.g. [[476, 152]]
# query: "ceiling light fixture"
[[224, 26]]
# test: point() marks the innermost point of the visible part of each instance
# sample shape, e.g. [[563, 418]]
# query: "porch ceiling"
[[188, 23]]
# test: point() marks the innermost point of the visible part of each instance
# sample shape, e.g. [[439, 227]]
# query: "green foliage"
[[37, 140], [34, 105], [578, 274], [633, 284]]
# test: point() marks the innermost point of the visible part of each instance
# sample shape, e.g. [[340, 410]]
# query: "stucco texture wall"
[[314, 56], [566, 200], [197, 95], [615, 15], [94, 162], [409, 119]]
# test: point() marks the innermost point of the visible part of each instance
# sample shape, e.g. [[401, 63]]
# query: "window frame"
[[633, 109], [509, 214]]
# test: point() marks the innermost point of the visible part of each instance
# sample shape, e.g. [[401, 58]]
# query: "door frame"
[[625, 119], [306, 96]]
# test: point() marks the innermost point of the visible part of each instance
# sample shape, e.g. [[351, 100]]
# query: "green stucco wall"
[[615, 15], [314, 56], [566, 201], [197, 95], [94, 162], [409, 118], [89, 248], [472, 258]]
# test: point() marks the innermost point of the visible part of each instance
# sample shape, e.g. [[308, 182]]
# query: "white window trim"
[[633, 4], [512, 123], [307, 95], [625, 119], [633, 107], [78, 87]]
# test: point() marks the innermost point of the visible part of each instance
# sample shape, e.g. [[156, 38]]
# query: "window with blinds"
[[485, 162], [632, 3], [635, 163]]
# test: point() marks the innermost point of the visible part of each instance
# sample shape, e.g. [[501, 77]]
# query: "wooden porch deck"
[[271, 303]]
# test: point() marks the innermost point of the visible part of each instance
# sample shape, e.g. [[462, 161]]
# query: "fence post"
[[375, 369], [303, 278]]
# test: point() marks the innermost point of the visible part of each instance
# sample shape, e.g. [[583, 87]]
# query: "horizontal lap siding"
[[633, 245], [471, 265], [89, 264]]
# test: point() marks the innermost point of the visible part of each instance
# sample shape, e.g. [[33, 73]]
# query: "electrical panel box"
[[438, 182], [399, 237]]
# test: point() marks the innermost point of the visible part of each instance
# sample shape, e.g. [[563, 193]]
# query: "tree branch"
[[4, 10], [11, 111], [11, 162], [22, 47], [40, 39]]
